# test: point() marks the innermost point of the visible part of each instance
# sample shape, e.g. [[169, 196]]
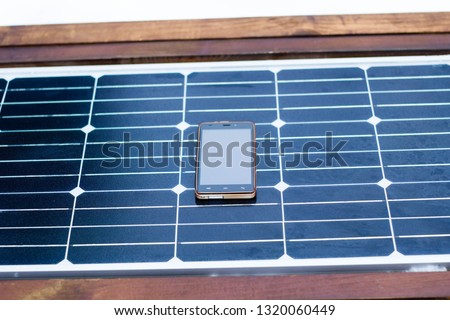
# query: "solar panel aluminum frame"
[[284, 264]]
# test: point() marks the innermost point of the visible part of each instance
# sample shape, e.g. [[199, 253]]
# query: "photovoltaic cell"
[[40, 153], [97, 173]]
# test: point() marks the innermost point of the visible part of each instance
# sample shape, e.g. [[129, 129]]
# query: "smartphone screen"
[[226, 160]]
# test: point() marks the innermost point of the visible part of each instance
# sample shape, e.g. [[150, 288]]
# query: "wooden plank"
[[226, 49], [331, 25], [330, 286]]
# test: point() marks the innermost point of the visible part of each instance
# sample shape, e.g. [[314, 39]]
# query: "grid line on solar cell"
[[89, 120], [380, 155], [280, 158], [180, 170]]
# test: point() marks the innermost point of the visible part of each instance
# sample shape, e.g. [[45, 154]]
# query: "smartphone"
[[226, 160]]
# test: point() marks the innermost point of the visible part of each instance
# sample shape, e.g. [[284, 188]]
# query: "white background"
[[26, 12], [344, 309]]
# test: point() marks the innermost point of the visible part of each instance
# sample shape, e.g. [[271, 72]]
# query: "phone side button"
[[215, 197]]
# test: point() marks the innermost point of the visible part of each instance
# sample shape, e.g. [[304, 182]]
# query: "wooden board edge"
[[398, 285], [233, 28], [225, 49]]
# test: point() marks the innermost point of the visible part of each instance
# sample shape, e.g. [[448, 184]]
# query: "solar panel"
[[98, 166]]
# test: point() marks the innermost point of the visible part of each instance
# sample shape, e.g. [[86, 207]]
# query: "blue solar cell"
[[320, 129], [140, 79], [143, 106], [133, 134], [34, 218], [424, 245], [425, 127], [414, 208], [36, 137], [333, 193], [409, 71], [231, 251], [415, 234], [39, 184], [37, 83], [42, 236], [320, 100], [230, 89], [265, 195], [211, 214], [130, 182], [46, 110], [140, 166], [337, 175], [136, 120], [120, 253], [411, 97], [31, 255], [326, 160], [418, 173], [416, 157], [404, 112], [431, 226], [43, 123], [217, 96], [409, 84], [425, 141], [267, 178], [419, 190], [223, 225], [125, 216], [32, 246], [197, 105], [12, 201], [57, 94], [357, 143], [265, 131], [122, 234], [139, 92], [340, 249], [335, 211], [229, 232], [230, 76], [39, 168], [3, 83], [337, 229], [127, 146], [42, 152], [267, 161], [305, 115], [325, 87], [136, 198]]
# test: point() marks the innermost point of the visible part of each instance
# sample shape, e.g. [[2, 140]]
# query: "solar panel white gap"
[[80, 171]]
